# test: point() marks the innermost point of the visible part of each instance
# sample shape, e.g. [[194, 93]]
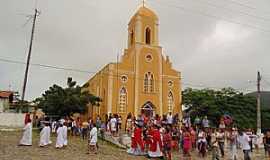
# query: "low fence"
[[12, 119]]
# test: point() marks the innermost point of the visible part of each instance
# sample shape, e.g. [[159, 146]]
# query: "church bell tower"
[[143, 28]]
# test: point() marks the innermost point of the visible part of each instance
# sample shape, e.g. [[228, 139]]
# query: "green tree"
[[216, 103], [66, 101]]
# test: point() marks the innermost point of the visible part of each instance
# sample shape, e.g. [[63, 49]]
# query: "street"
[[76, 149]]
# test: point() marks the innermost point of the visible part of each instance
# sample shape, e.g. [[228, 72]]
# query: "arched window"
[[148, 35], [122, 100], [170, 102], [145, 89], [151, 83], [148, 82], [131, 38]]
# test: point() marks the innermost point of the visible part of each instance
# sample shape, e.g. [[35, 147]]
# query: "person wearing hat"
[[45, 135]]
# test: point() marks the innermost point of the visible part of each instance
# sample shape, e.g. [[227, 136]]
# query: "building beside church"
[[143, 81]]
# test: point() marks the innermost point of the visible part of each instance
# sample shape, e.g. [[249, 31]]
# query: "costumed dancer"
[[167, 147], [45, 135], [156, 145], [137, 145], [187, 143], [26, 139]]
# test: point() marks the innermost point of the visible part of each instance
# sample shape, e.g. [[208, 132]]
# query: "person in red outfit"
[[26, 118], [137, 144], [156, 145], [167, 147], [186, 142]]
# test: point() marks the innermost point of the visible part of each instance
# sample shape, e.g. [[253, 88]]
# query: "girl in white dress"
[[45, 135], [60, 138]]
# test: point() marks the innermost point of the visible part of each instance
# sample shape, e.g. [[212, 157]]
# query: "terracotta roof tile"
[[5, 94]]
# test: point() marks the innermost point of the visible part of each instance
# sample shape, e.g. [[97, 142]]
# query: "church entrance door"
[[148, 109]]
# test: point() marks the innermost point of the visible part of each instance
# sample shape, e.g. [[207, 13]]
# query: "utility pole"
[[117, 78], [259, 78], [29, 56]]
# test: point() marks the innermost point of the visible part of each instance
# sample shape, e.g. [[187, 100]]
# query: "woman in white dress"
[[45, 135], [26, 139]]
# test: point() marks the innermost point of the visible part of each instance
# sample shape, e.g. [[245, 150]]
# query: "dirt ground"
[[76, 150]]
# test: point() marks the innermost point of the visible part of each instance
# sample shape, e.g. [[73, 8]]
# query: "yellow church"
[[143, 81]]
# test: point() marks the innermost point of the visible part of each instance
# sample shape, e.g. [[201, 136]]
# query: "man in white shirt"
[[244, 141], [170, 118]]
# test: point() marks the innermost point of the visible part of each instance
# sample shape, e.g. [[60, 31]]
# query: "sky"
[[214, 44]]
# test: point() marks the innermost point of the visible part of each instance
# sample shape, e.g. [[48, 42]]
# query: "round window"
[[124, 78], [170, 83], [148, 57]]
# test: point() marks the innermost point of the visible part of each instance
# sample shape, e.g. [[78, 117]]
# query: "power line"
[[241, 12], [206, 3], [268, 83], [247, 6], [46, 66], [213, 16], [113, 75]]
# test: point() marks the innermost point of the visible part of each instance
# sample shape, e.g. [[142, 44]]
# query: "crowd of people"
[[155, 136], [159, 136]]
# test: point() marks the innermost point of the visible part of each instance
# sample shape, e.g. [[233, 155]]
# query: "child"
[[60, 137], [119, 121], [45, 135], [167, 138], [84, 129], [65, 134], [186, 142], [93, 140], [102, 130]]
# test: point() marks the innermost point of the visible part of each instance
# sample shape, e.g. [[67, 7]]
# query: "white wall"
[[12, 119], [4, 104], [1, 106]]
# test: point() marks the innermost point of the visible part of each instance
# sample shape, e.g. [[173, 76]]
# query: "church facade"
[[143, 81]]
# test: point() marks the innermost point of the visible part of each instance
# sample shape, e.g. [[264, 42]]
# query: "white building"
[[6, 97]]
